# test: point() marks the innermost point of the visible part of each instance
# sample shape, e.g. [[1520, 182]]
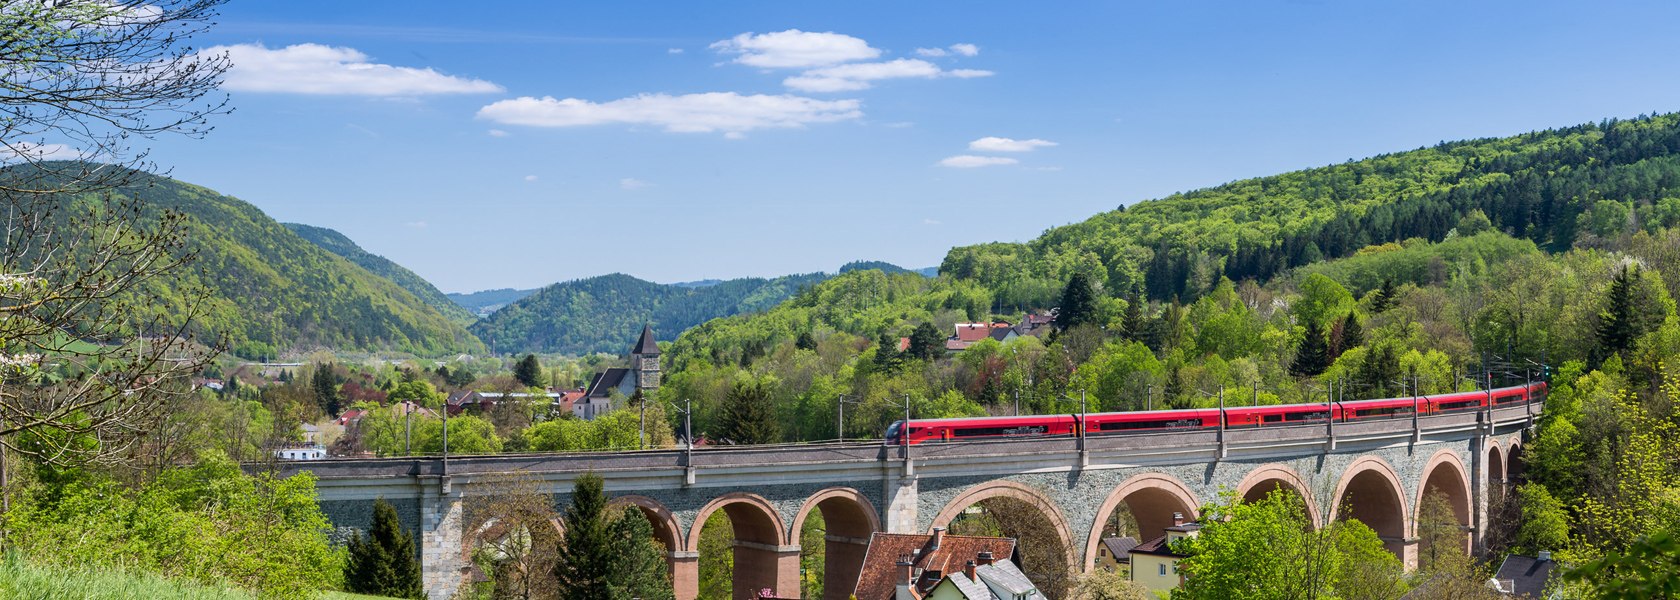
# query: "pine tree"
[[1313, 357], [1384, 299], [325, 386], [584, 567], [384, 563], [528, 371], [1134, 326], [747, 415], [638, 568], [1079, 303], [1616, 323], [926, 343]]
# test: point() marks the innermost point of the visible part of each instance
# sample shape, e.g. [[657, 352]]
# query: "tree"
[[1313, 356], [325, 385], [528, 371], [1079, 303], [586, 554], [83, 79], [926, 343], [638, 568], [748, 417], [384, 563]]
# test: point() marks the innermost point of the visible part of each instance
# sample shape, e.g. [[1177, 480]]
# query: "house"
[[900, 566], [986, 579], [1114, 554], [967, 334], [1155, 564], [641, 377], [1523, 576]]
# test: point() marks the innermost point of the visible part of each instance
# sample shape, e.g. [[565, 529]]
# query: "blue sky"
[[516, 144]]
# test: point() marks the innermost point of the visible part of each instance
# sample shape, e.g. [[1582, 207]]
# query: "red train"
[[984, 428]]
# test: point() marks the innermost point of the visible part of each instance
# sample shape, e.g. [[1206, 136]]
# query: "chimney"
[[1178, 519], [985, 558], [968, 570], [938, 538], [1545, 555]]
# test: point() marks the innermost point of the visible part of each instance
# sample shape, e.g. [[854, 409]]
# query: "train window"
[[1127, 425]]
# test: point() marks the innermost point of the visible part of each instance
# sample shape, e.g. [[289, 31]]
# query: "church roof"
[[646, 346]]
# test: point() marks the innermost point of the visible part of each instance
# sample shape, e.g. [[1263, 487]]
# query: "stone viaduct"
[[1374, 470]]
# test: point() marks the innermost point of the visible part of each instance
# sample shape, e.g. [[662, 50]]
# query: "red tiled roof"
[[879, 577]]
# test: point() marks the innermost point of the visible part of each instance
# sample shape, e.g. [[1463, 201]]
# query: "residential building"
[[1524, 576], [986, 579], [901, 566], [1115, 554], [1155, 564]]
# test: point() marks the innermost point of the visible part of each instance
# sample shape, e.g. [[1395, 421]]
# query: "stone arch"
[[850, 519], [761, 560], [1152, 499], [665, 526], [1371, 492], [1266, 478], [1445, 474], [1496, 477], [1514, 463], [1012, 491]]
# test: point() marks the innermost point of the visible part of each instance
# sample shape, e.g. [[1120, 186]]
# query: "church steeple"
[[644, 360]]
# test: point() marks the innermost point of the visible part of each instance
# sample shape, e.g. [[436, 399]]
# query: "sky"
[[517, 144]]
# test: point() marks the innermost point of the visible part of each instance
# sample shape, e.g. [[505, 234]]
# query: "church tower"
[[644, 362]]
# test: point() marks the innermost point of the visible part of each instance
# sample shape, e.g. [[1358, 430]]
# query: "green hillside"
[[604, 314], [1439, 259], [336, 243], [270, 291]]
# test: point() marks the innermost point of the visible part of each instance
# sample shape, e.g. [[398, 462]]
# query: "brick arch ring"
[[1015, 491], [863, 504], [1291, 480], [1383, 470], [1146, 481], [755, 501], [665, 526]]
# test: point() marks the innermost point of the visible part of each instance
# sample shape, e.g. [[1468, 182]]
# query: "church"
[[642, 376]]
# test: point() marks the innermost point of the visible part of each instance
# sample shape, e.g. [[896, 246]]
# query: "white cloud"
[[795, 49], [713, 111], [415, 225], [530, 178], [858, 76], [957, 49], [329, 70], [1003, 144], [969, 161], [631, 183], [497, 133], [11, 152]]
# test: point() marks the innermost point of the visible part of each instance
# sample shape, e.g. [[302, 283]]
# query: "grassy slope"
[[336, 243]]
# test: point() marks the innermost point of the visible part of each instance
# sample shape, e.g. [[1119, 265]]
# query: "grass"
[[20, 580], [23, 581]]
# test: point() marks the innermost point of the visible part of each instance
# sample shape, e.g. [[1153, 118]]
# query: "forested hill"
[[270, 291], [1535, 185], [604, 314], [336, 243]]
